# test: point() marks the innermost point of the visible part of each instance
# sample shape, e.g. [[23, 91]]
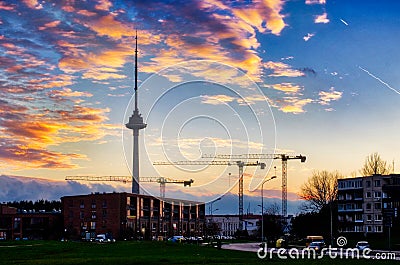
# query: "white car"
[[361, 245]]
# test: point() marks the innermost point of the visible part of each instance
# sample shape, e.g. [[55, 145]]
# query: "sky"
[[311, 77]]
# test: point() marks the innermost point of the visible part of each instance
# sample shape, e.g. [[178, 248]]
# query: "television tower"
[[135, 123]]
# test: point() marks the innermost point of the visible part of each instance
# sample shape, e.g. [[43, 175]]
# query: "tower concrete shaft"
[[135, 123]]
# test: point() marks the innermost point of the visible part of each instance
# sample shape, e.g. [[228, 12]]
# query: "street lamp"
[[211, 204], [262, 206]]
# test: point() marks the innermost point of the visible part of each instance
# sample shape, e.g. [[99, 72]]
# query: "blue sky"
[[312, 77]]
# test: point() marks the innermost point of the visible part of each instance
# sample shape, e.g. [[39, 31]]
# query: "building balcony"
[[350, 210]]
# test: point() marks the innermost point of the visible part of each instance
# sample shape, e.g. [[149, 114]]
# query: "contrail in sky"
[[380, 80], [344, 22]]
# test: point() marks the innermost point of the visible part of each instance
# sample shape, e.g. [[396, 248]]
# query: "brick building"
[[16, 224], [128, 215]]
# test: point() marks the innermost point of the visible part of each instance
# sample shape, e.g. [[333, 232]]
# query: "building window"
[[104, 205], [358, 184], [378, 228], [369, 217], [92, 225], [82, 204], [81, 215], [378, 205], [368, 183], [377, 194], [368, 206], [93, 204], [369, 228], [377, 183], [104, 213], [93, 214], [358, 217], [368, 194], [378, 217]]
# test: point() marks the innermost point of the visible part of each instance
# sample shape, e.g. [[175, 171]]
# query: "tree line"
[[39, 205]]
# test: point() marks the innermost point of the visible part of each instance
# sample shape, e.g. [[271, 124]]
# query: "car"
[[103, 238], [316, 245], [175, 239], [361, 245]]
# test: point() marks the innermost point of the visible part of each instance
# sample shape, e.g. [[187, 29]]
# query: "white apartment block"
[[229, 224]]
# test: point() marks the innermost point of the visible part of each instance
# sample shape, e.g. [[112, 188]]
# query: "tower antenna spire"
[[136, 74]]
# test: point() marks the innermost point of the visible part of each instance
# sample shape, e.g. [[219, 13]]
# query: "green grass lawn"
[[119, 253]]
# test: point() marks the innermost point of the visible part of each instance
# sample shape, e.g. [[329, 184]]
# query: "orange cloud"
[[282, 69], [321, 18], [86, 13], [108, 26], [67, 92], [287, 87], [327, 96], [264, 15], [33, 4], [294, 105], [7, 7], [103, 5]]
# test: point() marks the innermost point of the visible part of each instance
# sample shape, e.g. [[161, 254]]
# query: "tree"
[[320, 189], [375, 165]]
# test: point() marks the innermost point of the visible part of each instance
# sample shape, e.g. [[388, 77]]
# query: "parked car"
[[361, 245], [102, 238], [316, 245], [175, 239]]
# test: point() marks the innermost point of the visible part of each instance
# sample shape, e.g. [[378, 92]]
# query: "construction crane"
[[240, 164], [283, 157], [126, 179]]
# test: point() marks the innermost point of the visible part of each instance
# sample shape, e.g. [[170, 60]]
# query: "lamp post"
[[211, 204], [262, 206]]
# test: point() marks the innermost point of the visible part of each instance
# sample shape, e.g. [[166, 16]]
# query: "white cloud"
[[313, 2], [308, 36]]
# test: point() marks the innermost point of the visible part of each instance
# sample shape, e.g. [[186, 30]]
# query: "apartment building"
[[127, 215], [16, 224], [368, 205]]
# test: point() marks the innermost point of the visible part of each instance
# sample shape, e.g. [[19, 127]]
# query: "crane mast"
[[283, 157], [239, 163]]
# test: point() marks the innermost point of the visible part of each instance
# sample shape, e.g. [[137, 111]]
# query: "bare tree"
[[272, 209], [320, 189], [375, 165]]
